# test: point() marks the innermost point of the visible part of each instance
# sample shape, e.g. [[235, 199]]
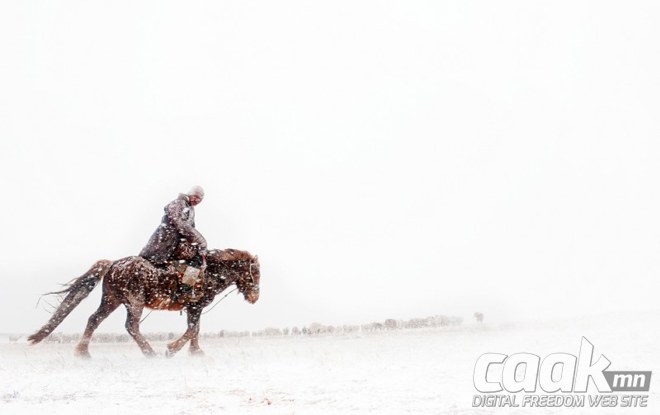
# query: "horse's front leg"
[[194, 314], [133, 328], [194, 343]]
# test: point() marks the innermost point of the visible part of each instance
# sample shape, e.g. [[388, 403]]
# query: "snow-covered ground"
[[425, 371]]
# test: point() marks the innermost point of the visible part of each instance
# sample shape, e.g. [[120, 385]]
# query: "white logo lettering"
[[516, 363], [480, 377], [586, 369], [557, 372]]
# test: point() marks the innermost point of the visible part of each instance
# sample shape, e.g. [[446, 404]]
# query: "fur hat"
[[196, 191]]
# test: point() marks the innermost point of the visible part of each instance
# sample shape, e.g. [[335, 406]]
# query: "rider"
[[176, 238]]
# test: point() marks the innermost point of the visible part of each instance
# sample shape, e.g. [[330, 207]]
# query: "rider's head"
[[195, 195]]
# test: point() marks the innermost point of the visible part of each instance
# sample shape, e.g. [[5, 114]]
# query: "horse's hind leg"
[[133, 328], [108, 305], [191, 332]]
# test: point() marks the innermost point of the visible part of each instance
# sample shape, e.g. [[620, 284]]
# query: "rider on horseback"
[[176, 239]]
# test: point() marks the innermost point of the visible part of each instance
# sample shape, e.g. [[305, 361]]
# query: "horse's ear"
[[256, 258]]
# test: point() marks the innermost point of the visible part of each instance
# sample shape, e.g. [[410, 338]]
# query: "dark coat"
[[177, 226]]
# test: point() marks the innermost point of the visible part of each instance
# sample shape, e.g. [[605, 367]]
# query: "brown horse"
[[137, 284]]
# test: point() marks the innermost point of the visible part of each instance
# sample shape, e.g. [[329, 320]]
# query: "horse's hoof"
[[83, 354], [169, 353], [150, 354], [197, 352]]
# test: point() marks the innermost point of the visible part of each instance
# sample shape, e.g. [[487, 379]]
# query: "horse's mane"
[[218, 255]]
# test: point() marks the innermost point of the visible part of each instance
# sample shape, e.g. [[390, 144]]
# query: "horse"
[[136, 283]]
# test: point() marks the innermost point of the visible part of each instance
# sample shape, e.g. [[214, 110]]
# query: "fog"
[[383, 159]]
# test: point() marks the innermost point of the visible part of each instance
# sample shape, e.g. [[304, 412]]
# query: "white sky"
[[384, 159]]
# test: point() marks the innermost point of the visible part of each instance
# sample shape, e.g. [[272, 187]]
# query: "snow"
[[424, 371]]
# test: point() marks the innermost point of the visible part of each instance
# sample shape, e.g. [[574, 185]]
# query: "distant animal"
[[136, 283], [479, 317]]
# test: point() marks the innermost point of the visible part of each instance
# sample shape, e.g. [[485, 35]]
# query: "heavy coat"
[[177, 226]]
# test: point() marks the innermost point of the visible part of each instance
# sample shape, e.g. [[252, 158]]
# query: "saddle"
[[190, 286], [190, 273]]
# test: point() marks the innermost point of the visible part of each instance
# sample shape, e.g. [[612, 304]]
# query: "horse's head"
[[248, 280], [237, 267]]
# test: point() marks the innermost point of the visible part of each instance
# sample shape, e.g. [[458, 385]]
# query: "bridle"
[[251, 284], [246, 279]]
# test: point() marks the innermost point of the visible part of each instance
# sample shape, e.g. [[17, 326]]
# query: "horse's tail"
[[76, 291]]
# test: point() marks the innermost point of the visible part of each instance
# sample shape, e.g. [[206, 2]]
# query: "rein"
[[218, 302], [145, 317]]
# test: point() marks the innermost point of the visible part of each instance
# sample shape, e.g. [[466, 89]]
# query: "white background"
[[384, 159]]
